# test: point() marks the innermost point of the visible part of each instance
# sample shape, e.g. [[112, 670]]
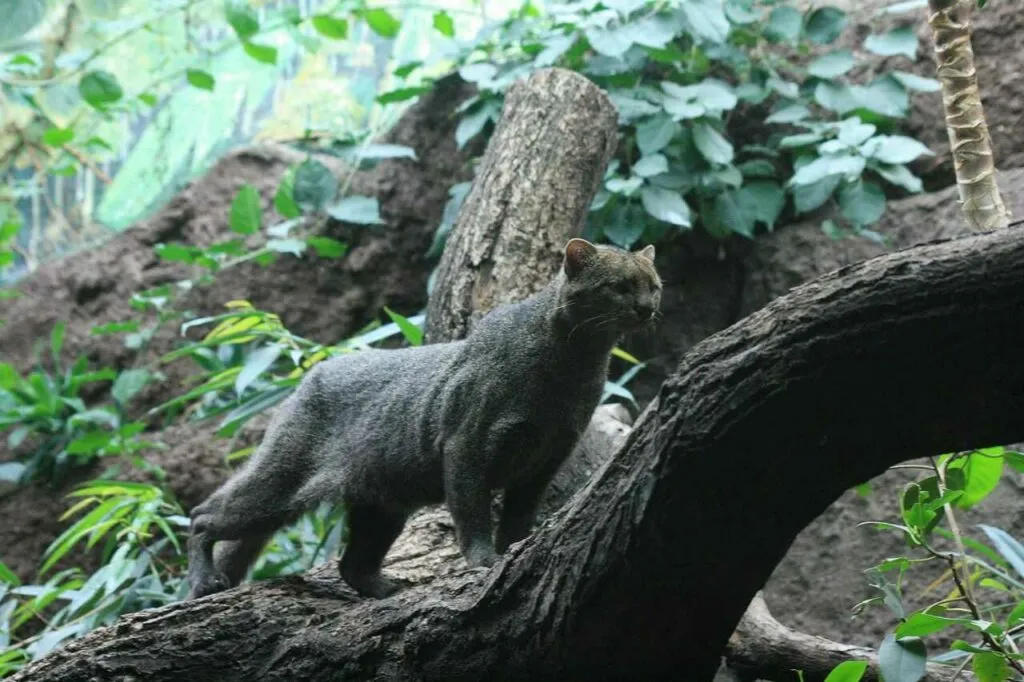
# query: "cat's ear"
[[647, 252], [578, 253]]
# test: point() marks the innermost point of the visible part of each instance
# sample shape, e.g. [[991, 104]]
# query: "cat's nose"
[[644, 311]]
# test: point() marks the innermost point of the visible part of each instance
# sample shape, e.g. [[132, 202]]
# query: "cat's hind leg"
[[371, 532], [238, 514]]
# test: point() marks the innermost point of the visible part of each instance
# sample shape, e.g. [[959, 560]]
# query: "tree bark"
[[647, 571], [531, 194]]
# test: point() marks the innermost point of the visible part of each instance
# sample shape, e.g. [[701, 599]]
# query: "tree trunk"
[[648, 570], [531, 194], [969, 140]]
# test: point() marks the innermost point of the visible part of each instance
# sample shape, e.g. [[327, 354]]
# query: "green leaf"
[[623, 229], [242, 19], [326, 247], [898, 41], [57, 341], [711, 144], [1007, 546], [402, 94], [256, 364], [1016, 615], [730, 212], [651, 165], [757, 168], [767, 200], [848, 671], [626, 186], [412, 333], [784, 25], [990, 667], [838, 97], [706, 20], [982, 473], [200, 79], [90, 443], [666, 205], [824, 166], [58, 137], [179, 253], [902, 660], [357, 209], [246, 213], [654, 134], [852, 132], [894, 149], [9, 377], [100, 89], [7, 575], [472, 124], [1015, 460], [612, 42], [382, 22], [283, 201], [790, 114], [20, 17], [806, 198], [861, 202], [115, 328], [444, 24], [128, 384], [832, 64], [478, 72], [912, 81], [330, 27], [898, 175], [921, 624], [314, 185], [824, 25], [885, 95], [261, 53]]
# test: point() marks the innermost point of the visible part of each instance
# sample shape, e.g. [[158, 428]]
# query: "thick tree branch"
[[648, 570]]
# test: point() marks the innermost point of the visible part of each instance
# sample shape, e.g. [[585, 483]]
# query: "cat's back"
[[372, 376]]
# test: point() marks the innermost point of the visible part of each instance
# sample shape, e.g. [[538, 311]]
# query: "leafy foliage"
[[44, 414], [688, 77], [958, 480]]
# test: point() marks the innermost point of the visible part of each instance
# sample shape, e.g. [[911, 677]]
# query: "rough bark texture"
[[531, 194], [965, 117], [648, 570]]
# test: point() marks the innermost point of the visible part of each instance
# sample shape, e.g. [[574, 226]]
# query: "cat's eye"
[[621, 287]]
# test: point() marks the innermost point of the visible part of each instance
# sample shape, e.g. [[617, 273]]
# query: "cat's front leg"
[[519, 507], [469, 501]]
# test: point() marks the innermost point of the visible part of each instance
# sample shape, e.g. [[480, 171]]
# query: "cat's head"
[[610, 289]]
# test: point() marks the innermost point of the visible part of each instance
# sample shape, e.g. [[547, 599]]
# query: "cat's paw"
[[480, 556], [374, 585], [208, 584]]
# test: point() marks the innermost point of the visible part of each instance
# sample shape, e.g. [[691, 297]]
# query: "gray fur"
[[389, 431]]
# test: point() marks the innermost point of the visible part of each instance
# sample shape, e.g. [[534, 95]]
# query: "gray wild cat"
[[389, 431]]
